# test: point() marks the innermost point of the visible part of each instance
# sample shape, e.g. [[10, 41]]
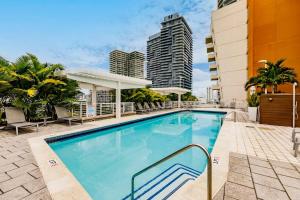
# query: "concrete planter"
[[252, 113]]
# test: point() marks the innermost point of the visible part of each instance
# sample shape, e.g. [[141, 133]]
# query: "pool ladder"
[[209, 168]]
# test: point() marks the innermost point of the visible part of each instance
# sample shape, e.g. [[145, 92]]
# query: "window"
[[173, 39]]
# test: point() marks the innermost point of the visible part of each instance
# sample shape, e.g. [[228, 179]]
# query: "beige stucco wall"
[[229, 30]]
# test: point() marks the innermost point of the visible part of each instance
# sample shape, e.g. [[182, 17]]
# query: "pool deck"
[[20, 176]]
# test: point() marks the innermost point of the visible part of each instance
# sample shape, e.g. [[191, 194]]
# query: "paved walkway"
[[20, 177], [252, 178]]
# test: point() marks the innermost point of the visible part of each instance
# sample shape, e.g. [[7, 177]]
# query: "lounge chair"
[[168, 105], [159, 105], [140, 108], [147, 107], [15, 117], [153, 106], [64, 115]]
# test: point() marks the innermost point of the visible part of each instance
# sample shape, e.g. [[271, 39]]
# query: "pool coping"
[[61, 183]]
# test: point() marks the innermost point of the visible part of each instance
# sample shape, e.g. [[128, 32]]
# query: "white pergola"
[[168, 90], [100, 80]]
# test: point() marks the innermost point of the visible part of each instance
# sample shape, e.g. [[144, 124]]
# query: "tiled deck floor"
[[252, 178], [20, 177]]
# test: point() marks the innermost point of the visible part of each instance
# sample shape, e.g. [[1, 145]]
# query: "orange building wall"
[[274, 33]]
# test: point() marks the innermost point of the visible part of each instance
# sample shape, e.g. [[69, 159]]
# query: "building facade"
[[227, 52], [127, 64], [170, 54], [244, 32]]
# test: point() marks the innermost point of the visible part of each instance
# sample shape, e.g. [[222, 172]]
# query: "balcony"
[[211, 57], [215, 87], [214, 77], [213, 67], [210, 48], [208, 40]]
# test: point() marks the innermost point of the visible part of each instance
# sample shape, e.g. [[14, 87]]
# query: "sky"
[[81, 33]]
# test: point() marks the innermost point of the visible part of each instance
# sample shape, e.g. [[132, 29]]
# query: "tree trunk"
[[266, 90], [273, 89]]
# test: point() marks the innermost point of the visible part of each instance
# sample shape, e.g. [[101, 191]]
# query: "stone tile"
[[238, 155], [268, 193], [12, 154], [40, 195], [4, 177], [238, 161], [36, 173], [6, 168], [262, 171], [10, 160], [281, 164], [287, 172], [239, 192], [34, 185], [289, 181], [241, 170], [15, 194], [259, 162], [240, 179], [21, 170], [220, 194], [267, 181], [229, 198], [15, 182], [25, 161], [294, 193]]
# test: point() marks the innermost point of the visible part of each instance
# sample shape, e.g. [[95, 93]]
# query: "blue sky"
[[81, 33]]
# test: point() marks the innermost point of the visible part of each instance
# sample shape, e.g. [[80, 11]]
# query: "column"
[[94, 97], [179, 100], [118, 101]]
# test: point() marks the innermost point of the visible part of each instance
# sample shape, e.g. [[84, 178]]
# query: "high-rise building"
[[244, 32], [170, 54], [127, 64]]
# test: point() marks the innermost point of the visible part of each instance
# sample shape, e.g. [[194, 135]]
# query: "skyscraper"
[[170, 54], [127, 64]]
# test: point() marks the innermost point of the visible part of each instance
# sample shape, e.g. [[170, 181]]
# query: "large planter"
[[252, 113]]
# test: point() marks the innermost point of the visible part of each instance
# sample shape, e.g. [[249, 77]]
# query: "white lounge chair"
[[63, 114], [15, 118], [147, 107], [159, 105], [140, 108]]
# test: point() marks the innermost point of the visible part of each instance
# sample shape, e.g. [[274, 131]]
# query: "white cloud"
[[201, 80]]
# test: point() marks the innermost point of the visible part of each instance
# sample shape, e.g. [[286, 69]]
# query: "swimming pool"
[[104, 161]]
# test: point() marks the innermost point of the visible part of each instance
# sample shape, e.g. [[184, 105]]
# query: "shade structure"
[[169, 90], [100, 80]]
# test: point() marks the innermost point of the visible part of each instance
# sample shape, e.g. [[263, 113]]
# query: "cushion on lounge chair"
[[14, 115], [62, 113]]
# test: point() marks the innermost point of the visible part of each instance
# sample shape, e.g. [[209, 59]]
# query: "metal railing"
[[209, 168]]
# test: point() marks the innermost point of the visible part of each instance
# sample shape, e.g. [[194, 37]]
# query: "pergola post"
[[118, 100], [94, 97], [179, 100]]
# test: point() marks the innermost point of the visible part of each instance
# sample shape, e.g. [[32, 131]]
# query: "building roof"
[[104, 79], [169, 90]]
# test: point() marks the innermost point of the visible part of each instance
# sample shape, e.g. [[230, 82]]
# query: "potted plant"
[[253, 102]]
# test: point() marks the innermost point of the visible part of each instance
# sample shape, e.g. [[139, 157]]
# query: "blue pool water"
[[104, 161]]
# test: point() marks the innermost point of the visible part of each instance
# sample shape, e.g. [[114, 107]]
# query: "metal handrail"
[[209, 168]]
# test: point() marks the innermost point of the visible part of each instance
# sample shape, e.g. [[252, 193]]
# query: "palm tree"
[[272, 75], [30, 84]]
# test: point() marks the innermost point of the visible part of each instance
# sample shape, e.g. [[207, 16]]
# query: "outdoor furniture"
[[63, 114], [15, 117], [153, 106], [168, 105], [140, 108], [159, 105], [147, 107]]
